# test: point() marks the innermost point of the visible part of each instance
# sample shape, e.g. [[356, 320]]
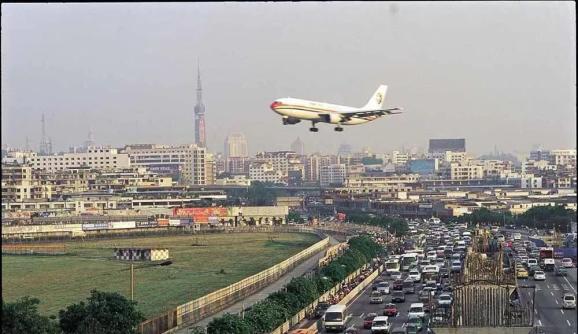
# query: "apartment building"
[[184, 163], [332, 175], [94, 157], [466, 172], [264, 172], [18, 185]]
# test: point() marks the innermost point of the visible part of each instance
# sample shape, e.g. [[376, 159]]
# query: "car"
[[321, 308], [375, 297], [398, 285], [567, 262], [398, 330], [415, 275], [444, 272], [533, 269], [416, 310], [456, 266], [417, 322], [390, 310], [398, 297], [376, 283], [368, 320], [561, 271], [569, 301], [380, 324], [539, 275], [383, 288], [445, 300], [521, 273], [396, 275], [408, 286], [532, 262]]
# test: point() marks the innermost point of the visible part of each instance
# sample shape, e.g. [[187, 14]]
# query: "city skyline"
[[123, 98]]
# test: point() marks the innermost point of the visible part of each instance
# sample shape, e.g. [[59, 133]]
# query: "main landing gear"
[[313, 128], [339, 129]]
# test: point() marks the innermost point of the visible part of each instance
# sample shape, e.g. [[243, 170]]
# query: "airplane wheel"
[[338, 129], [313, 129]]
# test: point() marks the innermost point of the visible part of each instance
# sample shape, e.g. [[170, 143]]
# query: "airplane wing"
[[368, 113]]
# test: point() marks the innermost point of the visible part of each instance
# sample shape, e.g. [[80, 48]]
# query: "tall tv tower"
[[45, 144], [200, 137]]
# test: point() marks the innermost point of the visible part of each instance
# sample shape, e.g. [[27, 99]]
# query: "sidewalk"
[[298, 271]]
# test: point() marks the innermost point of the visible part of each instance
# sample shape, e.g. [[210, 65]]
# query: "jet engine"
[[290, 120]]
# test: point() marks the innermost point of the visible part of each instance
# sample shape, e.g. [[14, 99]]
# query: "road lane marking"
[[562, 311], [552, 293], [556, 300], [540, 322], [571, 286], [536, 311], [568, 321], [361, 316], [548, 285]]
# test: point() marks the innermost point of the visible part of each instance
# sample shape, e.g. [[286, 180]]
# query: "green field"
[[61, 280]]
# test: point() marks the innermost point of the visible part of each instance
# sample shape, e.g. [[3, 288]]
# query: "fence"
[[27, 249], [297, 318], [216, 301]]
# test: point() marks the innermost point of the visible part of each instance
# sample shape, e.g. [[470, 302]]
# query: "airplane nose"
[[275, 104]]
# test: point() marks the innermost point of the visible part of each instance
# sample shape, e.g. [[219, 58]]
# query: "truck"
[[546, 253]]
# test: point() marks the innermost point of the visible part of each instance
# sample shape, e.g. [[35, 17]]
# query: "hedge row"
[[274, 310]]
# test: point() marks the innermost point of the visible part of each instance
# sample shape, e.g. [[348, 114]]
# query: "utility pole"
[[131, 281]]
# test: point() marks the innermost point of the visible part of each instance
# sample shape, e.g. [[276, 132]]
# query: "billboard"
[[95, 226], [151, 223], [172, 170], [163, 222], [118, 225], [174, 222], [200, 215]]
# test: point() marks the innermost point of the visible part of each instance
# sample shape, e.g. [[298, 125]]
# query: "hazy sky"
[[496, 73]]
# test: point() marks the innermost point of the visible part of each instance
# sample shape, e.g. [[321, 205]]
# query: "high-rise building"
[[236, 146], [344, 150], [298, 147], [184, 163], [443, 145], [200, 136], [332, 175]]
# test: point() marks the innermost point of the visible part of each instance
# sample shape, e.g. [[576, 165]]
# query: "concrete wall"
[[483, 330]]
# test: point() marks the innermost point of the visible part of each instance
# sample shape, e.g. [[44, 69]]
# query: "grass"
[[59, 281]]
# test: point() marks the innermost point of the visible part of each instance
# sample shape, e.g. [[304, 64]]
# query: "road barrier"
[[309, 309], [216, 301]]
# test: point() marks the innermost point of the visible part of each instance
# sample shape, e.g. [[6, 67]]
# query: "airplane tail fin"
[[377, 100]]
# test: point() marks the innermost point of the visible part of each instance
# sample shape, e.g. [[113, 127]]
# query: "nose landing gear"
[[313, 128]]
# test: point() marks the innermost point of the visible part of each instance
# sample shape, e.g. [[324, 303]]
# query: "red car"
[[368, 320], [390, 310]]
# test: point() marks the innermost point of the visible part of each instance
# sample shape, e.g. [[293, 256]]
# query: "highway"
[[360, 307], [548, 311]]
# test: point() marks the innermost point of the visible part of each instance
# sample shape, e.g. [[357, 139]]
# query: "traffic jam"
[[416, 280]]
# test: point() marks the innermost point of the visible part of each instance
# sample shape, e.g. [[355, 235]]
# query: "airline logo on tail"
[[379, 98]]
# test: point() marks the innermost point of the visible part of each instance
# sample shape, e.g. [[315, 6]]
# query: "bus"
[[335, 318], [392, 265], [407, 260]]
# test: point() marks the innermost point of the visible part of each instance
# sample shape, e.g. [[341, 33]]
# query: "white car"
[[415, 276], [416, 310], [396, 275], [569, 301], [445, 299], [539, 276], [380, 324], [567, 262], [383, 288]]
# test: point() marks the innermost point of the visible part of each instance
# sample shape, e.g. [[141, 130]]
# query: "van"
[[416, 310], [380, 324], [335, 318], [531, 262]]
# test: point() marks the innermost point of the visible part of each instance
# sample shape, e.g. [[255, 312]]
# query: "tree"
[[22, 316], [258, 194], [104, 312], [229, 323], [294, 217]]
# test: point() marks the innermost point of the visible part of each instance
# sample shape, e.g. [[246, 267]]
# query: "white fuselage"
[[317, 111]]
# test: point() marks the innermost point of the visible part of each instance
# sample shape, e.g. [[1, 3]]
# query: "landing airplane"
[[294, 111]]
